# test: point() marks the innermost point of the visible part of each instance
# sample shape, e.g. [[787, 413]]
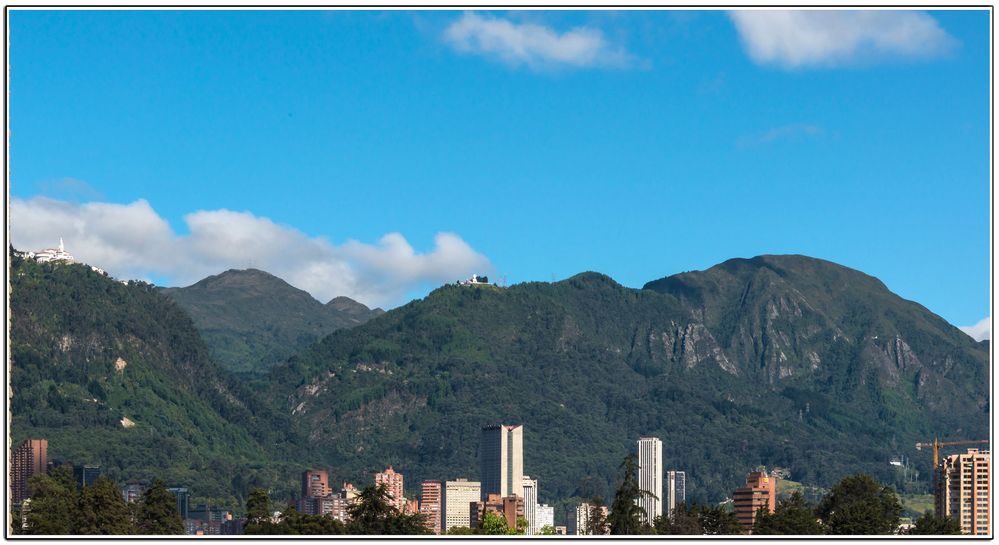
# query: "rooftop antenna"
[[61, 247]]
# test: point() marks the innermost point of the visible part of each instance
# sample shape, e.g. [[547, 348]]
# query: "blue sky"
[[638, 144]]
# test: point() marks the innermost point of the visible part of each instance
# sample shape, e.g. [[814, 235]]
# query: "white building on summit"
[[53, 254]]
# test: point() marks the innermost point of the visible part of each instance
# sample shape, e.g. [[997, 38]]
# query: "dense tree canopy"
[[859, 505]]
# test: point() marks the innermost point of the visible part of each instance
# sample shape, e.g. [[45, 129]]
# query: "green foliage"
[[859, 505], [462, 531], [103, 511], [89, 352], [372, 514], [54, 505], [547, 530], [252, 320], [793, 516], [158, 513], [596, 520], [930, 524], [683, 521], [626, 515], [494, 525], [716, 521]]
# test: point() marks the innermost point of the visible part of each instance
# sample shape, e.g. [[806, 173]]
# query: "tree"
[[372, 514], [158, 513], [859, 505], [596, 520], [258, 514], [547, 530], [521, 528], [793, 516], [462, 531], [493, 525], [54, 503], [716, 521], [103, 511], [683, 522], [626, 516], [930, 524]]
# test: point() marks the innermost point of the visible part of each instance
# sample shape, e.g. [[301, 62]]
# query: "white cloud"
[[795, 39], [533, 45], [133, 241], [979, 331]]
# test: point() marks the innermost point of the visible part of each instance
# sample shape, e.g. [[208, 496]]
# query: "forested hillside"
[[116, 374]]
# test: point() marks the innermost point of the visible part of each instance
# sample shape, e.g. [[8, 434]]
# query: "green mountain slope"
[[116, 374], [252, 320], [781, 360]]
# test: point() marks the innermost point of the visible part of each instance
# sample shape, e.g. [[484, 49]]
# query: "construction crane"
[[936, 444]]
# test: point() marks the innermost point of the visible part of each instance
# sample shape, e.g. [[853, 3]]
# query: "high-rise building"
[[430, 504], [85, 475], [531, 505], [583, 513], [315, 483], [676, 490], [458, 497], [963, 490], [393, 484], [650, 477], [333, 505], [545, 516], [501, 461], [760, 491], [30, 458], [183, 496], [509, 507], [132, 492]]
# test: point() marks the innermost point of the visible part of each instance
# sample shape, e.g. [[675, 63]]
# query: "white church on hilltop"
[[52, 254]]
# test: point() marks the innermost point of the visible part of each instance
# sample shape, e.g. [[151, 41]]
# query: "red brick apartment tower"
[[393, 484], [29, 459], [430, 504], [760, 491], [963, 491], [315, 483]]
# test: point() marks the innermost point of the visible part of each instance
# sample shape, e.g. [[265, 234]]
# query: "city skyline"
[[710, 123]]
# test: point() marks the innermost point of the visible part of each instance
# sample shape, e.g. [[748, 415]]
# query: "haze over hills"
[[778, 360], [252, 320]]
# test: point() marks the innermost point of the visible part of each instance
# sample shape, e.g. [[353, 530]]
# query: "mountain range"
[[252, 320], [785, 361]]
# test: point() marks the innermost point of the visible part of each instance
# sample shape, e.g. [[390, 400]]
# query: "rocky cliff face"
[[777, 360]]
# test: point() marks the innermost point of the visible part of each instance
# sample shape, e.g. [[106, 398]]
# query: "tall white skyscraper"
[[501, 461], [458, 497], [531, 505], [650, 476], [545, 516], [676, 490]]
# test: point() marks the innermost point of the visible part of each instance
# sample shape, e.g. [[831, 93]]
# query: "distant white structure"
[[474, 280], [52, 254], [545, 516], [650, 477], [531, 505]]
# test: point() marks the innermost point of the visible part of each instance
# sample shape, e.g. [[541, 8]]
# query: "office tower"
[[86, 475], [501, 461], [30, 458], [760, 491], [458, 497], [676, 490], [183, 497], [650, 476], [333, 505], [508, 507], [393, 484], [430, 504], [963, 490], [531, 505], [315, 483]]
